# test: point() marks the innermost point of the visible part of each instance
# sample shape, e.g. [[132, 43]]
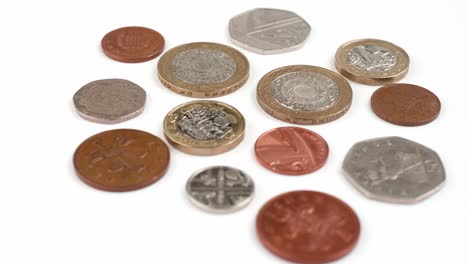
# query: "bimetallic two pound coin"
[[203, 69], [304, 94], [204, 127], [372, 61]]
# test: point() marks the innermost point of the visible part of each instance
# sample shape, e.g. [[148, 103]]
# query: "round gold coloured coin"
[[203, 69], [303, 94], [204, 127], [372, 61]]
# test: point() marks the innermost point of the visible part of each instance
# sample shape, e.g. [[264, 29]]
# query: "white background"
[[50, 49]]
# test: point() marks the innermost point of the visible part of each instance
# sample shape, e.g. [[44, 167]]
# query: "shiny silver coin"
[[394, 169], [220, 189], [268, 31], [109, 101]]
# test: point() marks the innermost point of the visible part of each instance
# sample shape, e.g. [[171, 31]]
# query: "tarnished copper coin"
[[132, 44], [121, 160], [405, 104], [308, 227], [291, 150]]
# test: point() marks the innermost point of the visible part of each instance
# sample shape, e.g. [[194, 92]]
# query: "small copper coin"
[[405, 104], [308, 227], [121, 160], [291, 150], [132, 44]]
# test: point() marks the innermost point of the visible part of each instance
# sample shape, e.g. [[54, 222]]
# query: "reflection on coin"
[[394, 170], [220, 189], [291, 150], [268, 31], [204, 127], [121, 160], [109, 101], [203, 69], [308, 227], [372, 61], [303, 94], [405, 104], [132, 44]]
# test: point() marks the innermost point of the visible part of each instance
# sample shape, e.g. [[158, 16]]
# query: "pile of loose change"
[[301, 226]]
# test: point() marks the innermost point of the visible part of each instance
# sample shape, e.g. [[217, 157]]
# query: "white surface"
[[50, 49]]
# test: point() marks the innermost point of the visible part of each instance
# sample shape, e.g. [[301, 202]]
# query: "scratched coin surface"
[[405, 104], [204, 127], [220, 189], [394, 169], [268, 31], [308, 227], [132, 44], [372, 61], [304, 94], [203, 69], [121, 160], [109, 101], [291, 150]]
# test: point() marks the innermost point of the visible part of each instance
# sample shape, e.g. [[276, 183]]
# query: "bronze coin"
[[405, 104], [121, 160], [132, 44], [308, 227]]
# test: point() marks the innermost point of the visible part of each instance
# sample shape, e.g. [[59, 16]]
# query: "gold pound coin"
[[372, 61], [204, 127], [303, 94], [203, 69]]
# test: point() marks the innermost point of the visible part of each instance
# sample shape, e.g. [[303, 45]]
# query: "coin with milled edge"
[[394, 169], [220, 189], [109, 101], [204, 127], [372, 61], [304, 94], [203, 69], [121, 160], [268, 31]]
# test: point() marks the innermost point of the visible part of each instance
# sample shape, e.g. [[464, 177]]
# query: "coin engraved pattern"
[[372, 58], [220, 189], [394, 169], [305, 91], [205, 123]]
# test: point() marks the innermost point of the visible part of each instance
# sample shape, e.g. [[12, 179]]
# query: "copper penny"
[[308, 227], [121, 160], [291, 150], [405, 104], [132, 44]]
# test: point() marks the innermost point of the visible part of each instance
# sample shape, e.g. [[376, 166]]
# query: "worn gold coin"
[[303, 94], [203, 69], [204, 127], [372, 61]]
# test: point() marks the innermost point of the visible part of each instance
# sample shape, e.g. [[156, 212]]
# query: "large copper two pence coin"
[[132, 44], [304, 94], [308, 227], [291, 150], [203, 69], [121, 160], [204, 127], [372, 61]]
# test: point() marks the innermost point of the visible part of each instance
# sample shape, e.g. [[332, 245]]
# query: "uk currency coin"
[[308, 227], [304, 94], [132, 44], [372, 61], [394, 169], [203, 69], [109, 101], [204, 127], [405, 104], [268, 31], [121, 160], [220, 189]]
